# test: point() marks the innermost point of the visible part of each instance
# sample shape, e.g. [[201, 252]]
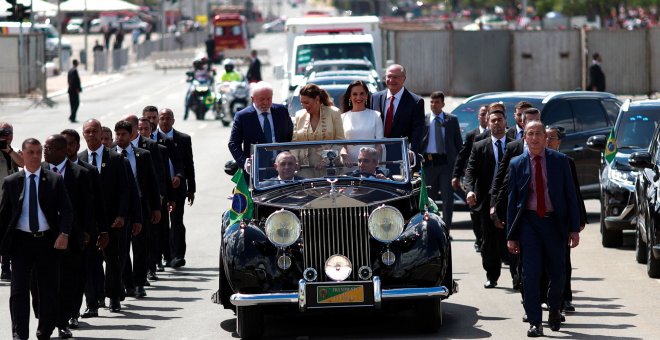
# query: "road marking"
[[203, 125]]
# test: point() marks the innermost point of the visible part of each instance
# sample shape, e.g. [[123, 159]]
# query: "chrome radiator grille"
[[333, 231]]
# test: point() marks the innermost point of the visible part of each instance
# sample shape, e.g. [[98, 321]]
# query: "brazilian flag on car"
[[424, 201], [241, 202], [610, 147]]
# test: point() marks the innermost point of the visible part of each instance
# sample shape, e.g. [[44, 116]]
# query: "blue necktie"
[[34, 205], [267, 132]]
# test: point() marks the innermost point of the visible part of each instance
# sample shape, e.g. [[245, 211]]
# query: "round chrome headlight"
[[338, 267], [282, 228], [385, 224]]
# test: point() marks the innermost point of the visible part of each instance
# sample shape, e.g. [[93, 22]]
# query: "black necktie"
[[124, 153], [267, 132], [500, 154], [34, 205], [94, 159]]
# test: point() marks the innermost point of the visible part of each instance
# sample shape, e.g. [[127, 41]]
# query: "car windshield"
[[370, 160], [636, 128], [467, 112], [307, 53], [336, 93]]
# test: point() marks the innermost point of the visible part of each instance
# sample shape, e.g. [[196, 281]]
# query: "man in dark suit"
[[142, 168], [367, 164], [461, 163], [286, 166], [36, 218], [441, 144], [254, 71], [516, 132], [183, 146], [481, 168], [541, 222], [74, 90], [94, 278], [78, 185], [402, 111], [596, 74], [261, 122], [115, 190]]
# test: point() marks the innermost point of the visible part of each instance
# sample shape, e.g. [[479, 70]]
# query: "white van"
[[51, 34]]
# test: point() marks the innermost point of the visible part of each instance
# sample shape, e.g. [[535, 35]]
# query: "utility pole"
[[86, 30]]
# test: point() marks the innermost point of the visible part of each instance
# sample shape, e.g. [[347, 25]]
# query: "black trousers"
[[94, 276], [74, 101], [439, 178], [72, 279], [475, 216], [491, 247], [33, 254], [135, 271], [178, 231], [115, 258], [161, 248]]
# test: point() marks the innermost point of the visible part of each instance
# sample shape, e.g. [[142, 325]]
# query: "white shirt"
[[169, 135], [431, 147], [518, 130], [270, 120], [130, 154], [481, 130], [99, 157], [397, 100], [134, 142], [365, 124], [24, 219], [60, 167]]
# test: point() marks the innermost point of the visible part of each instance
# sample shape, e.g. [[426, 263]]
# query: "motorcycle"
[[233, 96], [201, 97]]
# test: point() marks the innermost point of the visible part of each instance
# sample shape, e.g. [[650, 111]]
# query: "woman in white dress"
[[358, 120]]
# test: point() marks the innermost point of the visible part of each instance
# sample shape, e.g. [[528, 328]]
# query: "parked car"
[[632, 132], [75, 25], [129, 24], [95, 26], [330, 239], [581, 113]]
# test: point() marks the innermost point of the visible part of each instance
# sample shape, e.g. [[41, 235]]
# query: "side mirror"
[[597, 143], [641, 160], [278, 72], [231, 167]]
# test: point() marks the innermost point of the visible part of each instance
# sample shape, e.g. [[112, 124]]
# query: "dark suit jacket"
[[560, 187], [480, 170], [254, 70], [183, 145], [95, 196], [499, 187], [165, 159], [408, 119], [74, 81], [511, 132], [158, 164], [114, 184], [247, 131], [78, 186], [146, 179], [464, 153], [596, 78], [53, 200], [453, 139], [173, 153]]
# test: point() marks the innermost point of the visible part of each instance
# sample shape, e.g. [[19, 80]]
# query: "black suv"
[[581, 113], [647, 192], [633, 132]]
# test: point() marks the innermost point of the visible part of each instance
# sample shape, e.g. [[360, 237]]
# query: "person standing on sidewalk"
[[74, 90]]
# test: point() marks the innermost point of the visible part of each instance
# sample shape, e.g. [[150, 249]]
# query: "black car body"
[[633, 132], [581, 113], [328, 231], [647, 196]]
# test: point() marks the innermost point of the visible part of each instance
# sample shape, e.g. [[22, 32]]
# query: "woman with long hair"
[[358, 120]]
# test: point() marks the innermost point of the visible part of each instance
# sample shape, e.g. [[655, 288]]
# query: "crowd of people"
[[62, 219], [506, 173]]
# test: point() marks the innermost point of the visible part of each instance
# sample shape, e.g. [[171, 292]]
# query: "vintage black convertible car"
[[345, 231]]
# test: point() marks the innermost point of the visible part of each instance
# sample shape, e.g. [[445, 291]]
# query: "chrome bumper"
[[380, 295]]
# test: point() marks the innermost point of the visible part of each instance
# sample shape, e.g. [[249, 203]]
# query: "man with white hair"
[[261, 122]]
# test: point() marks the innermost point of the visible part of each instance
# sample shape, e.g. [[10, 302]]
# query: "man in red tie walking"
[[541, 223]]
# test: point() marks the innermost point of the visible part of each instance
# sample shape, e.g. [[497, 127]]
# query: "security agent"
[[368, 164]]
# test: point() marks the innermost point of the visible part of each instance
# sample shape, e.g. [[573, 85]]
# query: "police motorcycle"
[[200, 96], [233, 94]]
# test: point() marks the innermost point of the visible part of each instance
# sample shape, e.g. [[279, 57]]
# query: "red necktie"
[[540, 188], [389, 116]]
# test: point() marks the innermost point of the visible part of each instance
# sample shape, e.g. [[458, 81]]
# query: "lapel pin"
[[103, 165]]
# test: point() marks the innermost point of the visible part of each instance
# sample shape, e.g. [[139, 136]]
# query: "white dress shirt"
[[24, 219], [270, 120], [99, 157], [397, 100], [431, 147], [60, 169]]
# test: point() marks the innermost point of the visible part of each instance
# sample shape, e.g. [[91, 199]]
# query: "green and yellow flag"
[[610, 147], [424, 201], [241, 202]]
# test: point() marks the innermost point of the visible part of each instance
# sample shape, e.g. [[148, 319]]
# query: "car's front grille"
[[333, 231]]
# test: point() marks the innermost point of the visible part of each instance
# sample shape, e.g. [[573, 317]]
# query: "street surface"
[[612, 293]]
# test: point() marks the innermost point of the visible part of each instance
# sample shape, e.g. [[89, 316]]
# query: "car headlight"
[[282, 228], [624, 177], [338, 267], [385, 224]]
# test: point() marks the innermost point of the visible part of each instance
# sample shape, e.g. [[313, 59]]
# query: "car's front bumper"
[[380, 295], [620, 211]]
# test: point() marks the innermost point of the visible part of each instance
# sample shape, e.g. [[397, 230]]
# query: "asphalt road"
[[613, 296]]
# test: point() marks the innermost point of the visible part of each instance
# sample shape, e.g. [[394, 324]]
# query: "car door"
[[590, 119]]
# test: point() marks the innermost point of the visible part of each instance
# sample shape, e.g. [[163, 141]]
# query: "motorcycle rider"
[[230, 74], [200, 73]]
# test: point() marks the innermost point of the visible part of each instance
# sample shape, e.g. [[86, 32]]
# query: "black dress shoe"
[[477, 247], [151, 276], [64, 333], [140, 292], [178, 262], [567, 306], [5, 276], [146, 283], [524, 318], [102, 303], [535, 331], [129, 292], [90, 313], [167, 263], [517, 282], [160, 268], [115, 306], [73, 323], [554, 320], [490, 284]]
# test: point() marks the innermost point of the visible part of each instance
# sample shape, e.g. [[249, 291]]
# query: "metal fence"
[[22, 69], [464, 63]]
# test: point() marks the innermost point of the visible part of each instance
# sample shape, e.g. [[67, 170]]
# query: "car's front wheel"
[[428, 313], [652, 262], [640, 247], [249, 322], [610, 238]]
